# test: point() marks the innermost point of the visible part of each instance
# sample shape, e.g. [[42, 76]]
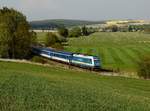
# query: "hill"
[[55, 23], [27, 87]]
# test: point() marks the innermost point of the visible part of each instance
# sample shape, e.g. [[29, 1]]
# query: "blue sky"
[[81, 9]]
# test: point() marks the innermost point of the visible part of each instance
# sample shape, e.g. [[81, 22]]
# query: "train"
[[76, 59]]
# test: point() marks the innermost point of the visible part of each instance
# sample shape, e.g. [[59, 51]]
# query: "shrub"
[[38, 60], [63, 32], [61, 39], [51, 39], [58, 46], [84, 30], [54, 41], [147, 31], [144, 67], [75, 32]]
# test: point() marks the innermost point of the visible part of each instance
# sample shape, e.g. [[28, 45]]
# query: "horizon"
[[89, 20]]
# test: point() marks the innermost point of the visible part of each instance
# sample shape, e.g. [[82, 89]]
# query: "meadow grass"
[[117, 50], [26, 87]]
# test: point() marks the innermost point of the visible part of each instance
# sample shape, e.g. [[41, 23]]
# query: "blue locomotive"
[[80, 60]]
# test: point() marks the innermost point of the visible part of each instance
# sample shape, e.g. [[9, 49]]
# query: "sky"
[[81, 9]]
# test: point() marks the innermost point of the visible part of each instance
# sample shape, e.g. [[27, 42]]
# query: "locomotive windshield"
[[97, 62]]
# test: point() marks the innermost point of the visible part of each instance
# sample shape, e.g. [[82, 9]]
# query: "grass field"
[[26, 87], [117, 50], [120, 50]]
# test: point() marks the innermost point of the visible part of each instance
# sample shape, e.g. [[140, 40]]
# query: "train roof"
[[85, 55], [53, 50], [65, 53]]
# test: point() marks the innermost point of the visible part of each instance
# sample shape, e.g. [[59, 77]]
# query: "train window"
[[60, 56], [85, 60], [43, 52], [97, 62]]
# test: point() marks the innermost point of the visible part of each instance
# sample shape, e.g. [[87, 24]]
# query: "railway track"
[[55, 63], [70, 66]]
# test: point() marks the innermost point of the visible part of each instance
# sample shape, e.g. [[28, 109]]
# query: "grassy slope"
[[30, 87], [117, 50]]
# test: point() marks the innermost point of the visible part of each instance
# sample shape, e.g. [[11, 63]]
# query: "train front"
[[97, 63]]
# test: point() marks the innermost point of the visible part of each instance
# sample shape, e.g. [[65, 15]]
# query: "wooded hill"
[[56, 23]]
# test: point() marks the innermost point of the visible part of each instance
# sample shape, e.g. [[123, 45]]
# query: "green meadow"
[[27, 87], [120, 50]]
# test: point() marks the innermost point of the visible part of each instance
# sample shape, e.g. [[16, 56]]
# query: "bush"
[[147, 31], [75, 32], [54, 41], [38, 60], [58, 46], [144, 68], [84, 30], [61, 39], [63, 32], [51, 39]]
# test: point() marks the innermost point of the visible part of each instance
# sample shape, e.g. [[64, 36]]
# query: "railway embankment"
[[52, 64]]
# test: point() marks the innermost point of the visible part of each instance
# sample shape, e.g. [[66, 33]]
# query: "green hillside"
[[120, 50], [26, 87], [55, 23]]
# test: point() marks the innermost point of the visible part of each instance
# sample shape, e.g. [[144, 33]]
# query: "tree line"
[[57, 40], [126, 28]]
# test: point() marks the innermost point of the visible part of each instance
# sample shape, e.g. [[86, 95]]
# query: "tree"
[[51, 39], [114, 28], [144, 67], [63, 32], [75, 32], [130, 29], [147, 31], [85, 31], [54, 41], [15, 38]]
